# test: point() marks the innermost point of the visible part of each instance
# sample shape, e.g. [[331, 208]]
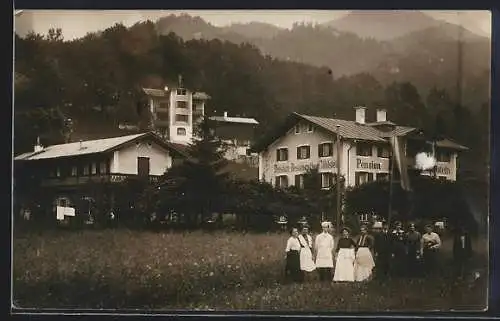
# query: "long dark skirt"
[[292, 268], [431, 262], [414, 264]]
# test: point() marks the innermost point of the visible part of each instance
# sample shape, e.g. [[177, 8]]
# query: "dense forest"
[[90, 85]]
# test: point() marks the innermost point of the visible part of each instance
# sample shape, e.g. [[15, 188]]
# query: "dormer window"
[[297, 129], [310, 128]]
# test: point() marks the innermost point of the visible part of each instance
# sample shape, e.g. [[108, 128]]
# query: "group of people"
[[381, 253]]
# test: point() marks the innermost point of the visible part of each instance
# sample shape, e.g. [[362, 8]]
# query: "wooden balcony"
[[82, 180]]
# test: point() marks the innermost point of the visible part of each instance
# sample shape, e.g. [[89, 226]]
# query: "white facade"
[[360, 161], [124, 161], [175, 112]]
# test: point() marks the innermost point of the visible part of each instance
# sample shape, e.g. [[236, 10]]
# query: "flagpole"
[[391, 183], [339, 146]]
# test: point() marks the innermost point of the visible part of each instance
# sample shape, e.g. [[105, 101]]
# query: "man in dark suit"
[[383, 252], [399, 251], [462, 251]]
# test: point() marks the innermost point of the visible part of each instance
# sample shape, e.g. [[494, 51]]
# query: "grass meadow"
[[125, 269]]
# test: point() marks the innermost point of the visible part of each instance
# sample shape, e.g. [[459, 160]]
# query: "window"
[[363, 149], [443, 156], [181, 118], [282, 181], [182, 104], [383, 152], [94, 169], [363, 177], [303, 152], [74, 170], [310, 128], [382, 177], [282, 154], [297, 128], [181, 91], [103, 168], [58, 172], [181, 131], [299, 181], [325, 149], [143, 166], [86, 170], [326, 180]]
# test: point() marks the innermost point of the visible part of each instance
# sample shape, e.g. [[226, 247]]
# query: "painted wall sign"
[[443, 170], [360, 164], [291, 167]]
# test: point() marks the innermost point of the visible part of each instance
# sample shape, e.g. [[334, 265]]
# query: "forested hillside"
[[96, 82], [416, 48]]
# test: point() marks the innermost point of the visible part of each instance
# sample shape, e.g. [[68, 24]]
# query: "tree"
[[197, 186]]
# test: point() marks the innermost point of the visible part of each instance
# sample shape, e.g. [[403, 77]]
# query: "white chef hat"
[[325, 224]]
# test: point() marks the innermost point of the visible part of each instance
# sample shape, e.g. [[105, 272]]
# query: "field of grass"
[[200, 271]]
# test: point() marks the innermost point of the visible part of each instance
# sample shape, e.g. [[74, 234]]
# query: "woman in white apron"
[[364, 264], [306, 259], [324, 247], [344, 266]]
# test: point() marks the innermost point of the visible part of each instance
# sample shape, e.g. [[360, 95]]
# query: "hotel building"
[[175, 111], [303, 142]]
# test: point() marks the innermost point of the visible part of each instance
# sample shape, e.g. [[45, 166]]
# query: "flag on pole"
[[400, 158]]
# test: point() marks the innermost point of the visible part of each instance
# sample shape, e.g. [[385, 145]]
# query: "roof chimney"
[[225, 114], [360, 114], [180, 80], [38, 147], [381, 115]]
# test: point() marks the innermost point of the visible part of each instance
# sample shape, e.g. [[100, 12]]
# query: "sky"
[[77, 23]]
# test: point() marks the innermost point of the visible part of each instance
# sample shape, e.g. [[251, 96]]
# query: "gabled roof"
[[448, 143], [94, 147], [348, 129], [239, 120]]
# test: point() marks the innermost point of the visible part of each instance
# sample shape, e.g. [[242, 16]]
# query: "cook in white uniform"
[[324, 247]]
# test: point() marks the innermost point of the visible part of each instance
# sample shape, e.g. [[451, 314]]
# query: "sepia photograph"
[[292, 161]]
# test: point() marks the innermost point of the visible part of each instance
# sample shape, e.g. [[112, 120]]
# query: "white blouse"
[[292, 244], [432, 238]]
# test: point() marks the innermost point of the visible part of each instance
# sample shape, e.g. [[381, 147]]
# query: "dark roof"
[[448, 143], [349, 129]]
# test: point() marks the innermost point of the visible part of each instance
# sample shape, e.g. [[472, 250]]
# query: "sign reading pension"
[[368, 165], [303, 167]]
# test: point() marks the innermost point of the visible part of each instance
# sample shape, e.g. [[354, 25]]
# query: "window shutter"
[[298, 153], [286, 154], [297, 181], [320, 153], [308, 153], [278, 154]]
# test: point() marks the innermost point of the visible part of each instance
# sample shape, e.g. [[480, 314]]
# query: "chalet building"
[[305, 142], [238, 133], [65, 174], [175, 111]]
